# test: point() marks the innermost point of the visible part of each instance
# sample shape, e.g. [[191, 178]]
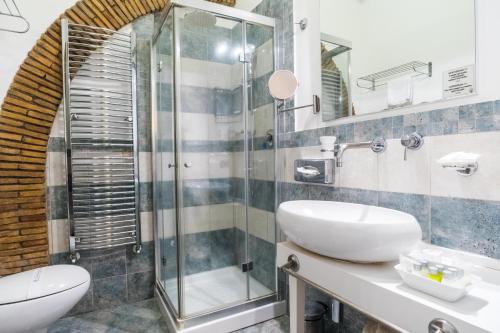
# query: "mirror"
[[396, 53], [282, 84]]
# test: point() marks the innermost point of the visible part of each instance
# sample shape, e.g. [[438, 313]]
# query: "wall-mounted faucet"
[[411, 141], [377, 145]]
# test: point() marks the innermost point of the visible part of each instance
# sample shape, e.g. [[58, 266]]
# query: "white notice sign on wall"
[[458, 82]]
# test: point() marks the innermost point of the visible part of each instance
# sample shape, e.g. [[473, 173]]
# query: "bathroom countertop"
[[378, 290]]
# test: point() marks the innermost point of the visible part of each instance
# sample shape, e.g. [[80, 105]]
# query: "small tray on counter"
[[448, 292]]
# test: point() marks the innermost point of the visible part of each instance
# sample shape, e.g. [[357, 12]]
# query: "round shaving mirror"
[[282, 84]]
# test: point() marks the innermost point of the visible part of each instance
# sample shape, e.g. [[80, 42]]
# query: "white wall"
[[388, 33], [14, 47], [487, 64]]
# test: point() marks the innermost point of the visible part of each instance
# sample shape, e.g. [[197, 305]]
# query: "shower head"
[[200, 18]]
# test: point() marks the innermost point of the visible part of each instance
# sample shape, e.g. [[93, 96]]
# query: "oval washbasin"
[[349, 231]]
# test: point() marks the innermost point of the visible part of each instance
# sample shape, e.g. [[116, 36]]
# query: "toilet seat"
[[41, 282]]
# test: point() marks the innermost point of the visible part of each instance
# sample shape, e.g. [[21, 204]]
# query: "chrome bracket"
[[74, 257], [441, 326], [302, 24], [137, 248], [247, 266], [292, 263]]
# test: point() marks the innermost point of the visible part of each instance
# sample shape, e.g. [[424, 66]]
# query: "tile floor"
[[140, 317]]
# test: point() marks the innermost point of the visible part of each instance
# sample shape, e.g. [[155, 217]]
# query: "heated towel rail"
[[101, 138]]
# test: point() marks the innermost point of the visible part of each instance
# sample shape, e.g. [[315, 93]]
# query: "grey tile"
[[197, 100], [263, 254], [422, 118], [85, 304], [467, 111], [436, 128], [497, 108], [409, 129], [109, 265], [450, 127], [222, 243], [485, 109], [262, 194], [194, 45], [409, 119], [415, 204], [146, 196], [293, 191], [140, 286], [365, 197], [56, 145], [488, 124], [57, 199], [467, 125], [397, 132], [110, 291], [323, 192], [143, 261], [197, 252], [468, 225], [397, 121], [448, 114]]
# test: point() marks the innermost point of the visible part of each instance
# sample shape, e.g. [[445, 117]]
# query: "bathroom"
[[179, 166]]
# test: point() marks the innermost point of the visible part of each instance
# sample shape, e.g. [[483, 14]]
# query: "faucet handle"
[[378, 145], [412, 141]]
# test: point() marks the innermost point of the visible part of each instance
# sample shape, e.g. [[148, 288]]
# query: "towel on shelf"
[[458, 159], [400, 92]]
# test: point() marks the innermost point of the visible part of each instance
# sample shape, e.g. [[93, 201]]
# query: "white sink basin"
[[349, 231]]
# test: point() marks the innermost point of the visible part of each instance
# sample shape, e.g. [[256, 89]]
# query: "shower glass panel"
[[164, 170], [210, 122], [214, 160], [261, 151]]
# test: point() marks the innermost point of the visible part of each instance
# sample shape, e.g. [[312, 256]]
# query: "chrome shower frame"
[[273, 302]]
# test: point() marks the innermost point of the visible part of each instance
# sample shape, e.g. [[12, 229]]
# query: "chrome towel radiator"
[[101, 138]]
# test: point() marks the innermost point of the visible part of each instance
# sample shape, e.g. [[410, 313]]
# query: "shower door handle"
[[171, 165], [188, 164]]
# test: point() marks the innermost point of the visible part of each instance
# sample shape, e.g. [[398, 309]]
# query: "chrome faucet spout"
[[377, 145]]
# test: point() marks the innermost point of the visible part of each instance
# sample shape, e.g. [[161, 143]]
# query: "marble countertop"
[[378, 290]]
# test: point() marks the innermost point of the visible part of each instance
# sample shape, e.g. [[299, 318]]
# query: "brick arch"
[[26, 117]]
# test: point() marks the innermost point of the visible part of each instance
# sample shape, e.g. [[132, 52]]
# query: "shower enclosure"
[[213, 161]]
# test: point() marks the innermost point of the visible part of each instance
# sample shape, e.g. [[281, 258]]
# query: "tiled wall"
[[212, 189], [453, 211]]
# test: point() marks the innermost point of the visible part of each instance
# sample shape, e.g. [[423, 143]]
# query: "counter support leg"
[[297, 304]]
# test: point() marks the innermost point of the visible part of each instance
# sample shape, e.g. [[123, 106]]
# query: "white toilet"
[[31, 301]]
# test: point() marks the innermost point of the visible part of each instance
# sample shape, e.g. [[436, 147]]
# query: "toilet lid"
[[41, 282]]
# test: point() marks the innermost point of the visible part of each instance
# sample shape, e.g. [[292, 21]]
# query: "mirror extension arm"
[[315, 106]]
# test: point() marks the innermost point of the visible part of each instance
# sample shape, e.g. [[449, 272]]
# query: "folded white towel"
[[458, 159], [400, 91]]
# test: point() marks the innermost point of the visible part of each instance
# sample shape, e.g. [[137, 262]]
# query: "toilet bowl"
[[31, 301]]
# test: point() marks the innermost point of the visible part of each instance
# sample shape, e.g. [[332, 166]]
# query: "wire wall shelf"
[[11, 19], [375, 80]]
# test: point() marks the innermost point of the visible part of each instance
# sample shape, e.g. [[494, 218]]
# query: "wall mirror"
[[382, 55]]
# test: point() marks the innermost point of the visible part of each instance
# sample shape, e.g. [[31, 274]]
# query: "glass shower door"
[[212, 162], [261, 151], [164, 159]]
